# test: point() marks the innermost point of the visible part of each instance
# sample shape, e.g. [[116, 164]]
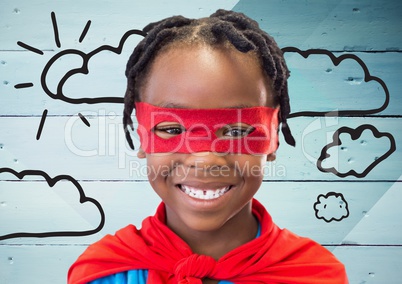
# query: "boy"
[[208, 94]]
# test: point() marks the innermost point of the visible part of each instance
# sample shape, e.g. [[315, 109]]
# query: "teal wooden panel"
[[294, 205], [42, 209], [36, 207], [377, 64], [352, 25], [358, 153], [371, 264], [27, 67], [360, 84], [382, 224], [31, 23], [37, 264], [347, 25]]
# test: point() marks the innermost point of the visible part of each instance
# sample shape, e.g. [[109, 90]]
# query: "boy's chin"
[[204, 225]]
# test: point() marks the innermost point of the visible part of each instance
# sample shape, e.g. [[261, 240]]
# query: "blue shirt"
[[130, 277]]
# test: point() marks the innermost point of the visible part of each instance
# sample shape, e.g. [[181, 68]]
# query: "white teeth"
[[204, 193]]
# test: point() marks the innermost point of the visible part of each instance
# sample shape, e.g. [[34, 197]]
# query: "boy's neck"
[[237, 231]]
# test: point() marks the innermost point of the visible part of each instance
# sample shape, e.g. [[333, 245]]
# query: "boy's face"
[[204, 77]]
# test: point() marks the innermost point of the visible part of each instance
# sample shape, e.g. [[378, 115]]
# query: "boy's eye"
[[172, 130], [236, 131], [168, 130]]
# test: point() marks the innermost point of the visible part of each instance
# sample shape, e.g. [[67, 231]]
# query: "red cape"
[[277, 256]]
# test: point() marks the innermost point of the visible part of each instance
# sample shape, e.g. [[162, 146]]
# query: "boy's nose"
[[205, 160]]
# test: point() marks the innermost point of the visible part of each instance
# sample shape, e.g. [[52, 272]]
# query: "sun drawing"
[[58, 95]]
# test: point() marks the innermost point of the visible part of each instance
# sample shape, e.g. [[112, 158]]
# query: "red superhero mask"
[[203, 129]]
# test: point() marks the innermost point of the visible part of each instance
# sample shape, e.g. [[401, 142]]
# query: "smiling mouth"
[[205, 194]]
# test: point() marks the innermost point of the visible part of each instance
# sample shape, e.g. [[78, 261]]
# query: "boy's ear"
[[271, 157], [141, 153]]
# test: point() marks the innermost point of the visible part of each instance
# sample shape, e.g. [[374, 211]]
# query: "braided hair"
[[223, 28]]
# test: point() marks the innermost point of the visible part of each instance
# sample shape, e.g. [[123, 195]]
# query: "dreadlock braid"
[[221, 28]]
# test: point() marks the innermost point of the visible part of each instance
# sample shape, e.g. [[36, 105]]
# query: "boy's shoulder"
[[306, 259], [110, 255]]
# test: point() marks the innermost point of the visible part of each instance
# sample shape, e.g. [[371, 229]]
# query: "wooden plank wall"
[[50, 159]]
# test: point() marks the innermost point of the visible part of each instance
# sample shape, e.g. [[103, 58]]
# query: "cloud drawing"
[[35, 207], [333, 81], [331, 207], [355, 152]]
